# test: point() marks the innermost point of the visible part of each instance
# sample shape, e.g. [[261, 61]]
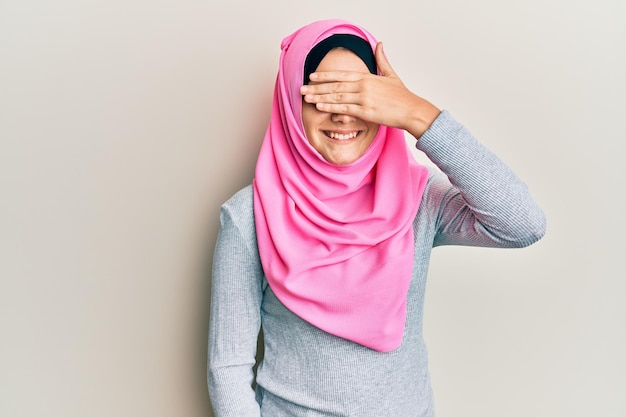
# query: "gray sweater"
[[476, 200]]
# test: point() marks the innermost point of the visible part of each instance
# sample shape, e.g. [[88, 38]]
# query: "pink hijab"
[[335, 241]]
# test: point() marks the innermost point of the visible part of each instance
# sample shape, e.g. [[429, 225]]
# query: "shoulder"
[[241, 200], [238, 212], [438, 188], [437, 184]]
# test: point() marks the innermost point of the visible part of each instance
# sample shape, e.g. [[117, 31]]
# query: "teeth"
[[339, 136]]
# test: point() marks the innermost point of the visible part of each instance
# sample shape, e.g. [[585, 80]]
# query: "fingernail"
[[303, 89], [313, 76]]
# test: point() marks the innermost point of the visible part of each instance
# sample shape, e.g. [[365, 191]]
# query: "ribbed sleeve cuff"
[[439, 137]]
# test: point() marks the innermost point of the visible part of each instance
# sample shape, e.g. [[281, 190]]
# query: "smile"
[[342, 136]]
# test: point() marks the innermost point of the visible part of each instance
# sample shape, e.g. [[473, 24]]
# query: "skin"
[[339, 138], [344, 96]]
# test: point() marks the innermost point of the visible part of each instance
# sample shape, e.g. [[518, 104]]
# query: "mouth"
[[342, 136]]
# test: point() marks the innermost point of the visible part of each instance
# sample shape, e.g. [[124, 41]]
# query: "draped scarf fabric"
[[335, 241]]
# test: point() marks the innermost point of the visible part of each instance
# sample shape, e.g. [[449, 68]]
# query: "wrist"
[[422, 116]]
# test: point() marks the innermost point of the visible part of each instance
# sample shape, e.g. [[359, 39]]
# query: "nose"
[[342, 118]]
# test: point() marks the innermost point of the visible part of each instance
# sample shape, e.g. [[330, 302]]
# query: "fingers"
[[335, 98], [342, 108], [383, 64], [330, 88], [334, 76]]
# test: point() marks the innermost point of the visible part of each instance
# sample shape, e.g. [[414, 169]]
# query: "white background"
[[125, 124]]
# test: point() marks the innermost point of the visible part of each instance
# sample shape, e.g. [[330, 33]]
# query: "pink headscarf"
[[336, 241]]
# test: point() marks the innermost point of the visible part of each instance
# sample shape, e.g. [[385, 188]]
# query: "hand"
[[378, 99]]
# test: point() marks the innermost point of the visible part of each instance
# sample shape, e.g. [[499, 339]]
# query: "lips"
[[342, 135]]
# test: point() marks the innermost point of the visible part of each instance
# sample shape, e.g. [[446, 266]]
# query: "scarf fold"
[[335, 241]]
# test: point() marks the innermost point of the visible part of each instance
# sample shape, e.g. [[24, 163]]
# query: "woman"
[[328, 249]]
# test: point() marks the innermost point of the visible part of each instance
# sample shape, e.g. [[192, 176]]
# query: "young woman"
[[328, 250]]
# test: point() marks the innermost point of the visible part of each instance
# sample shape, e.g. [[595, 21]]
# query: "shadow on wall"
[[237, 128]]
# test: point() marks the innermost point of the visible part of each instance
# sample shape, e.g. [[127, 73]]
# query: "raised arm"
[[486, 204], [479, 201]]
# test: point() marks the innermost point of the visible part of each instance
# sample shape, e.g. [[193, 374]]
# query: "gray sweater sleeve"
[[484, 203], [235, 320]]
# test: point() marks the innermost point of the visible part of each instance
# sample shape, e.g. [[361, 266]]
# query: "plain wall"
[[125, 124]]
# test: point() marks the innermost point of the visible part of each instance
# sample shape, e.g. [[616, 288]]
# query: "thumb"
[[381, 60]]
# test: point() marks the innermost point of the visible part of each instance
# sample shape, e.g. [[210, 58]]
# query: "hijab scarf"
[[335, 241]]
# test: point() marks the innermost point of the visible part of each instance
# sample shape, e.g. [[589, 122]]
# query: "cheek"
[[311, 117], [373, 130], [306, 116]]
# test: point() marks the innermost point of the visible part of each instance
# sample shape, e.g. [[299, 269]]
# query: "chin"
[[342, 159]]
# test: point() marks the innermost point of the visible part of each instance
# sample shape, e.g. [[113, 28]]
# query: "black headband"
[[358, 45]]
